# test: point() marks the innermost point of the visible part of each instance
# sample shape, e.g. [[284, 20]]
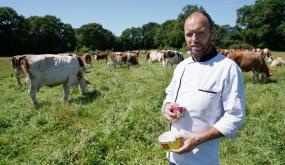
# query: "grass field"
[[118, 121]]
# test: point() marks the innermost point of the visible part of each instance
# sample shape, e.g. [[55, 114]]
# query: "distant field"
[[118, 121]]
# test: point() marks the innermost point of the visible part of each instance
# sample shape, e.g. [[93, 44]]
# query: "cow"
[[86, 58], [224, 51], [123, 58], [171, 57], [52, 70], [251, 61], [136, 52], [101, 56], [278, 62], [133, 58], [265, 53], [154, 56], [16, 65]]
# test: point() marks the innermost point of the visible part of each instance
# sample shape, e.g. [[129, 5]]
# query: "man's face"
[[198, 35]]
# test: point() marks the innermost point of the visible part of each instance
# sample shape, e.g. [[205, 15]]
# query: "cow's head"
[[82, 83]]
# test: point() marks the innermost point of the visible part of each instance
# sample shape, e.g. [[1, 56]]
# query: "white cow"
[[154, 56], [51, 70], [265, 53], [278, 62], [16, 64]]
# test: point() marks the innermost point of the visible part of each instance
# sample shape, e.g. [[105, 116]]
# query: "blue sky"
[[117, 15]]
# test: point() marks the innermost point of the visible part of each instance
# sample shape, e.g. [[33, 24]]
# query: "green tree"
[[281, 30], [227, 36], [148, 32], [262, 23], [95, 37], [68, 40], [169, 34], [12, 32], [49, 35], [131, 39]]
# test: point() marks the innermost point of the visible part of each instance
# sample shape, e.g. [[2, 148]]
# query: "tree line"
[[259, 25]]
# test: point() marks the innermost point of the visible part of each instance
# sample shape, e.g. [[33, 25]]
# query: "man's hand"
[[188, 144], [168, 111]]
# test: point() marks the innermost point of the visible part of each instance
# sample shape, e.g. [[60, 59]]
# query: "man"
[[211, 89]]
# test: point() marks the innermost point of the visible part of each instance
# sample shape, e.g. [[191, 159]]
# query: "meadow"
[[118, 121]]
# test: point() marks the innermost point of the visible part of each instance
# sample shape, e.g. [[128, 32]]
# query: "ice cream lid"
[[168, 136]]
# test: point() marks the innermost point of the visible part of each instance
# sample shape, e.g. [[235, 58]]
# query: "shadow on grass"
[[272, 81], [42, 103], [87, 98]]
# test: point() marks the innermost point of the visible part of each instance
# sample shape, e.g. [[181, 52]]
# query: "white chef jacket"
[[213, 94]]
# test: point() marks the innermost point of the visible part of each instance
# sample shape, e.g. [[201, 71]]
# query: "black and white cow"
[[171, 57]]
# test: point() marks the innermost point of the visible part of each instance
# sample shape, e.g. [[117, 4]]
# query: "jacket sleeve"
[[233, 101]]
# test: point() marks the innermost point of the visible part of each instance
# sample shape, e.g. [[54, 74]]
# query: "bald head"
[[199, 34], [201, 16]]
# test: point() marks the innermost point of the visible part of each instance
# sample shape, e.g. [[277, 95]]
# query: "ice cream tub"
[[168, 141]]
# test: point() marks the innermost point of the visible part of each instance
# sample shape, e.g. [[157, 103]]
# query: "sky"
[[118, 15]]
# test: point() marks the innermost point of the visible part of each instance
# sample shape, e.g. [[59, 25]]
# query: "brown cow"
[[101, 56], [251, 61], [123, 58], [86, 58], [223, 51]]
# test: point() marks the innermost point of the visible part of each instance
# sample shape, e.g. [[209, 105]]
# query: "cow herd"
[[164, 57], [68, 69]]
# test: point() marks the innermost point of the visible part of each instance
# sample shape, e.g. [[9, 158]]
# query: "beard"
[[200, 50]]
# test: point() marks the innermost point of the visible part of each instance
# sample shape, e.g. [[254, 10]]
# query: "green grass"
[[118, 121]]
